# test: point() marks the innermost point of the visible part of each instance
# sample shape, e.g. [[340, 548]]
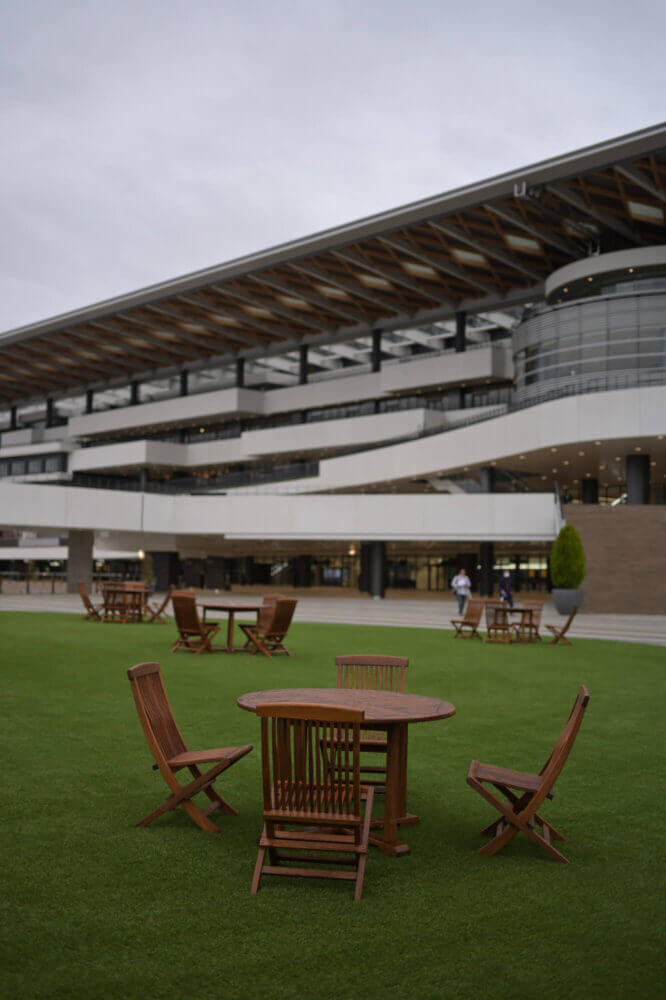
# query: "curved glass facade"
[[619, 339]]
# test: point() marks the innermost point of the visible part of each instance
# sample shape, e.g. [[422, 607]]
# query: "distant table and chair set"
[[508, 623]]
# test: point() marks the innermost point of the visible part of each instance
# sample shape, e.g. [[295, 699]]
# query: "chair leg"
[[258, 868], [365, 836]]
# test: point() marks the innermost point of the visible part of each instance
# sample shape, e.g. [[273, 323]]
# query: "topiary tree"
[[567, 559]]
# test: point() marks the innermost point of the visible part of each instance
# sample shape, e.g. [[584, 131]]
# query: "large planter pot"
[[564, 600]]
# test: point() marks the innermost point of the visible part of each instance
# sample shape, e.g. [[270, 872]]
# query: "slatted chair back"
[[572, 615], [157, 612], [376, 673], [157, 721], [559, 634], [113, 595], [87, 603], [558, 758], [185, 612], [282, 613], [473, 611], [537, 612], [265, 615], [496, 615], [311, 765]]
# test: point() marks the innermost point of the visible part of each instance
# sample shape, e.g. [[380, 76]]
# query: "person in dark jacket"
[[506, 588]]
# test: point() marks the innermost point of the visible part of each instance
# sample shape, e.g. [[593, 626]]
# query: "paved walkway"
[[395, 611]]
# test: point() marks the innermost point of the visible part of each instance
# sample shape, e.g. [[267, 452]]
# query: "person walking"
[[506, 588], [461, 585]]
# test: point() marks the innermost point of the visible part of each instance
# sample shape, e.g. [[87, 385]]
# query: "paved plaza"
[[402, 612]]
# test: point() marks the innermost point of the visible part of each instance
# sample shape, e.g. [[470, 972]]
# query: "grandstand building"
[[372, 406]]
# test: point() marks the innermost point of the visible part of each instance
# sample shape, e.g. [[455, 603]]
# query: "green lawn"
[[93, 907]]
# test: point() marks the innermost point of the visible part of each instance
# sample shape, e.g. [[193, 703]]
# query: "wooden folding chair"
[[264, 616], [193, 634], [471, 619], [534, 625], [376, 673], [310, 759], [171, 755], [525, 793], [157, 612], [267, 637], [498, 627], [94, 611], [559, 634]]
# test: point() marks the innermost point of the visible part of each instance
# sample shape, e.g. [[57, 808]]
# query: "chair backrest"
[[113, 595], [496, 614], [162, 607], [311, 761], [572, 615], [377, 673], [565, 741], [473, 610], [282, 613], [265, 615], [83, 593], [185, 611], [537, 610], [157, 721]]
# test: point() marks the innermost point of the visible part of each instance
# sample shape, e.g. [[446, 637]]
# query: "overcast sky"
[[143, 139]]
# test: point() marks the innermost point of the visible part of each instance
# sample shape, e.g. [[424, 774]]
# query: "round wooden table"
[[385, 711]]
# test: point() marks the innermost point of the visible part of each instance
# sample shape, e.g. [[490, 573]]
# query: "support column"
[[364, 568], [13, 418], [590, 491], [487, 560], [303, 364], [89, 400], [376, 355], [143, 480], [134, 393], [638, 479], [303, 571], [240, 373], [377, 552], [79, 559], [184, 383], [488, 479], [461, 324], [166, 567], [50, 412]]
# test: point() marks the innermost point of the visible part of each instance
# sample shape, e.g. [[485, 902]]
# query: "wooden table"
[[230, 610], [386, 712], [524, 629], [124, 602]]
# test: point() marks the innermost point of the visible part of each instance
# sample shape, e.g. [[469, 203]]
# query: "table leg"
[[395, 805], [230, 633]]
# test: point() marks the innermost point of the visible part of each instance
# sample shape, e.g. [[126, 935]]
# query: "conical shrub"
[[567, 559]]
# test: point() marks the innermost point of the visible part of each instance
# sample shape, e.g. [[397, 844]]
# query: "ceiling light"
[[553, 449], [289, 300], [653, 464], [637, 448], [332, 293], [597, 442], [581, 453], [469, 257], [590, 278], [554, 470], [522, 243], [602, 467], [617, 458], [646, 213], [521, 457], [374, 281], [660, 437], [565, 289], [631, 270], [588, 474], [566, 461], [257, 311], [418, 270]]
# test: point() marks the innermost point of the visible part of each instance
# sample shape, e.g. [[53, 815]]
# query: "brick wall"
[[625, 552]]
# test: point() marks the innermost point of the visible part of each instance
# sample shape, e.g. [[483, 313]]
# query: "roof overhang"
[[479, 248]]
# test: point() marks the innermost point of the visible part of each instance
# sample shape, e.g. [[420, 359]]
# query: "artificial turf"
[[93, 907]]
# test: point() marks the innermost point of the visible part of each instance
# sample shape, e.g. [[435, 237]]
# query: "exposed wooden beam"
[[352, 288], [539, 232], [576, 201], [445, 267], [456, 233], [389, 274], [320, 301], [641, 180]]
